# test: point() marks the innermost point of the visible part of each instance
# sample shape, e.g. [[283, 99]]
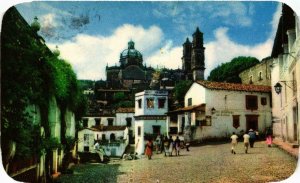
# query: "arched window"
[[260, 76]]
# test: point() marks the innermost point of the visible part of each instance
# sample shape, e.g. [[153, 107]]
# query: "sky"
[[91, 35]]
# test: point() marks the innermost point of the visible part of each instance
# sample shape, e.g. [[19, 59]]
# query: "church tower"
[[186, 59], [197, 56]]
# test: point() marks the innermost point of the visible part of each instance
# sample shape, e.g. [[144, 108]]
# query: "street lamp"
[[278, 87]]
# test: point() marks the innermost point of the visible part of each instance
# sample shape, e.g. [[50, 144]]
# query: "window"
[[103, 137], [161, 102], [263, 101], [198, 123], [97, 121], [189, 101], [110, 121], [236, 121], [112, 137], [85, 122], [251, 102], [150, 103], [250, 80], [140, 103], [128, 122], [260, 76], [139, 131]]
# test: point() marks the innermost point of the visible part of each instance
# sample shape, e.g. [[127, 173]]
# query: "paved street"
[[207, 163]]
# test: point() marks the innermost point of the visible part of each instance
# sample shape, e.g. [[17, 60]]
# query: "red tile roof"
[[125, 110], [234, 86]]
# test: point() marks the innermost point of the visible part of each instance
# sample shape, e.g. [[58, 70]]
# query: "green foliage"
[[181, 88], [229, 72], [31, 74], [51, 143], [119, 96]]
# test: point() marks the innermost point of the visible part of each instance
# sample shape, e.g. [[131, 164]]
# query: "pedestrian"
[[269, 138], [252, 135], [234, 138], [177, 146], [157, 144], [166, 146], [171, 145], [100, 151], [246, 142], [149, 148]]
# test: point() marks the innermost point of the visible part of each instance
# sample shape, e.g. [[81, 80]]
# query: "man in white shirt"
[[246, 142], [234, 138]]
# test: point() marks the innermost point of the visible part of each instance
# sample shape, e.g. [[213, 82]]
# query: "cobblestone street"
[[206, 163]]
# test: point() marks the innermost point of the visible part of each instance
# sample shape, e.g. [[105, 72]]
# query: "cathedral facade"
[[132, 75], [131, 71]]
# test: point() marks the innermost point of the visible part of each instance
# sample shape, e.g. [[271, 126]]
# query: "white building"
[[286, 74], [150, 116], [99, 120], [125, 117], [215, 110], [114, 139]]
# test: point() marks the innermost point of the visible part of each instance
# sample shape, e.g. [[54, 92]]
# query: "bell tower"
[[186, 59], [197, 56]]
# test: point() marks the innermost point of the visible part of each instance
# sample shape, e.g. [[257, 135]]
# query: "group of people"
[[249, 140], [164, 144]]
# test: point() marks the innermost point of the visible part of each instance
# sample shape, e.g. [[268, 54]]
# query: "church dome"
[[131, 54]]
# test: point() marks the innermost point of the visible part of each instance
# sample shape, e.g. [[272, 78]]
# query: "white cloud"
[[223, 50], [167, 56], [90, 54]]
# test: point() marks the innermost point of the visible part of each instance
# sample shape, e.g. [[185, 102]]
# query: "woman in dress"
[[148, 149]]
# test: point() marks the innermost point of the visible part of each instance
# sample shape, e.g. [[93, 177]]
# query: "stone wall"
[[259, 74]]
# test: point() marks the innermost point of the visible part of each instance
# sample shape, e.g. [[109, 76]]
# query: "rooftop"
[[234, 86]]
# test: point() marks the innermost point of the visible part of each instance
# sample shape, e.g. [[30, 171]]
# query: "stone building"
[[260, 74]]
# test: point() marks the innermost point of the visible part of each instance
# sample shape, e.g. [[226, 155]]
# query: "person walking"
[[269, 138], [234, 138], [171, 145], [177, 145], [246, 142], [148, 149], [158, 144], [252, 135], [166, 145]]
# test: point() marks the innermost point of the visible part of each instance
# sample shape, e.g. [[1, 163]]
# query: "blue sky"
[[91, 35]]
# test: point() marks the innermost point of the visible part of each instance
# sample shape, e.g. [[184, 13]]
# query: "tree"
[[180, 89], [229, 72]]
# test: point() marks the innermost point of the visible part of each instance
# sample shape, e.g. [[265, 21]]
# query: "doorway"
[[251, 122]]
